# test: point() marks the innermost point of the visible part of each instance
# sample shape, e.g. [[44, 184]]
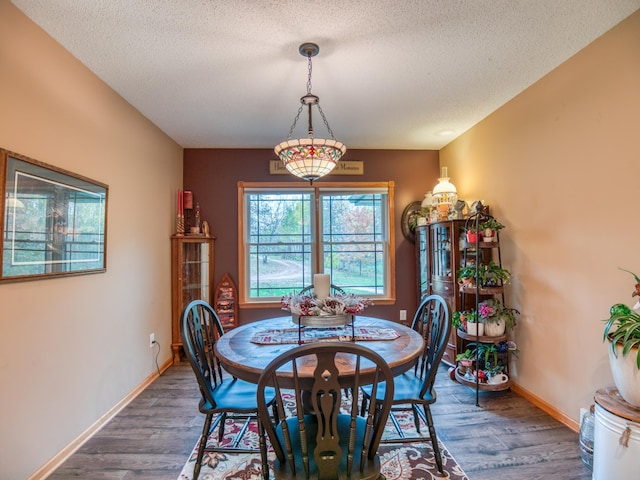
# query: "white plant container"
[[495, 329], [626, 374], [616, 446]]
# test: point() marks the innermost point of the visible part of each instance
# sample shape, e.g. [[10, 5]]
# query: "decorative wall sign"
[[53, 221], [349, 167], [225, 302]]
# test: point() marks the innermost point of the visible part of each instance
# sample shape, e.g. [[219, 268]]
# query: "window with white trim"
[[288, 233]]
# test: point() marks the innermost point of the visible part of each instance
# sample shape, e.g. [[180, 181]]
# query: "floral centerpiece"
[[336, 304]]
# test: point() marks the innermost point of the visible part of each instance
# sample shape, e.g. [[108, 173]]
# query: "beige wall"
[[72, 348], [560, 164]]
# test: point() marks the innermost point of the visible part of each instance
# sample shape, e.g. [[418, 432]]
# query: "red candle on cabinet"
[[187, 198]]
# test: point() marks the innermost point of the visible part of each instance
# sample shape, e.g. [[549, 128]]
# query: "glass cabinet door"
[[422, 262], [441, 263], [191, 279], [195, 272]]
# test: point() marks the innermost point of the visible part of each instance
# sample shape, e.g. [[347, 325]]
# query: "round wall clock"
[[408, 221]]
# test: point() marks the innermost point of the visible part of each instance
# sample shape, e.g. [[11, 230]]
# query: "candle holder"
[[180, 225]]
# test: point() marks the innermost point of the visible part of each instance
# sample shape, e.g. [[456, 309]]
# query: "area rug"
[[410, 461]]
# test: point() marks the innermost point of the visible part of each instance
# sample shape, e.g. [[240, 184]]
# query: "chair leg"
[[203, 444], [223, 420], [263, 450], [416, 420], [434, 437], [363, 406]]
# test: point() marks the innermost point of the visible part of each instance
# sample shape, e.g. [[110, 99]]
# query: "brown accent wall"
[[213, 174]]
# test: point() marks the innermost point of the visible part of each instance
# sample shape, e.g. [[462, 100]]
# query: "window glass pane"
[[279, 246], [354, 240]]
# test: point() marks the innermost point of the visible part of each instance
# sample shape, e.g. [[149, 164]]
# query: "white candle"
[[321, 285]]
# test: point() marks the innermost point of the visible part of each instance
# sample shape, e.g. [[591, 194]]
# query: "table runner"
[[331, 334]]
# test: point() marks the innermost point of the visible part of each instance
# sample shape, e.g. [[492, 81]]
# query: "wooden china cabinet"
[[438, 257], [191, 279]]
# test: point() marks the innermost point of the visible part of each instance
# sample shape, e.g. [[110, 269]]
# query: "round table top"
[[246, 360]]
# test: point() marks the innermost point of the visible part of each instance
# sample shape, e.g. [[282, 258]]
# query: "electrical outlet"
[[403, 314], [152, 339], [583, 412]]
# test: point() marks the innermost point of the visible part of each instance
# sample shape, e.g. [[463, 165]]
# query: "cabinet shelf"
[[497, 387]]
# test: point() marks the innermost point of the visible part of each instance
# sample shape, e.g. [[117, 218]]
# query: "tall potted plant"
[[622, 332]]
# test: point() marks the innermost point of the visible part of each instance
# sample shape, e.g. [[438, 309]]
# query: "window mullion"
[[318, 233]]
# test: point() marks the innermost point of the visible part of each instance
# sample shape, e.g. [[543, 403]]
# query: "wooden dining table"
[[244, 353]]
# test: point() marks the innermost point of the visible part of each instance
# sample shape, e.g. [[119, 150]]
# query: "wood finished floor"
[[506, 437]]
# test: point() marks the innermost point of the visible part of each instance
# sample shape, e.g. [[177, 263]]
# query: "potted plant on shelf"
[[624, 343], [472, 324], [488, 311], [486, 353], [489, 229], [472, 235], [495, 374], [465, 361], [497, 318], [466, 275], [493, 275], [457, 320]]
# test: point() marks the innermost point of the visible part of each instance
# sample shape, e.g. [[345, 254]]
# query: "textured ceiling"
[[390, 73]]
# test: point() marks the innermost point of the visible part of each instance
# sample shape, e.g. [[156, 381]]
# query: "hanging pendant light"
[[310, 158]]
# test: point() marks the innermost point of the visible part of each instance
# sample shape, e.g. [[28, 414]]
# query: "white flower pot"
[[475, 328], [495, 329], [626, 374], [497, 379]]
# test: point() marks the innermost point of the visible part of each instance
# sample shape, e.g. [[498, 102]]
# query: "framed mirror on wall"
[[53, 221]]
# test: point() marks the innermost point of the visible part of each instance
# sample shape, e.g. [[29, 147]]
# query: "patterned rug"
[[399, 461]]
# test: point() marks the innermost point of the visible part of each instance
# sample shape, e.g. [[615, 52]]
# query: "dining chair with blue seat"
[[222, 395], [315, 438], [415, 387]]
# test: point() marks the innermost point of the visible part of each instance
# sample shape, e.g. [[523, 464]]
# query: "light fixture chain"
[[324, 119], [295, 120], [309, 75]]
